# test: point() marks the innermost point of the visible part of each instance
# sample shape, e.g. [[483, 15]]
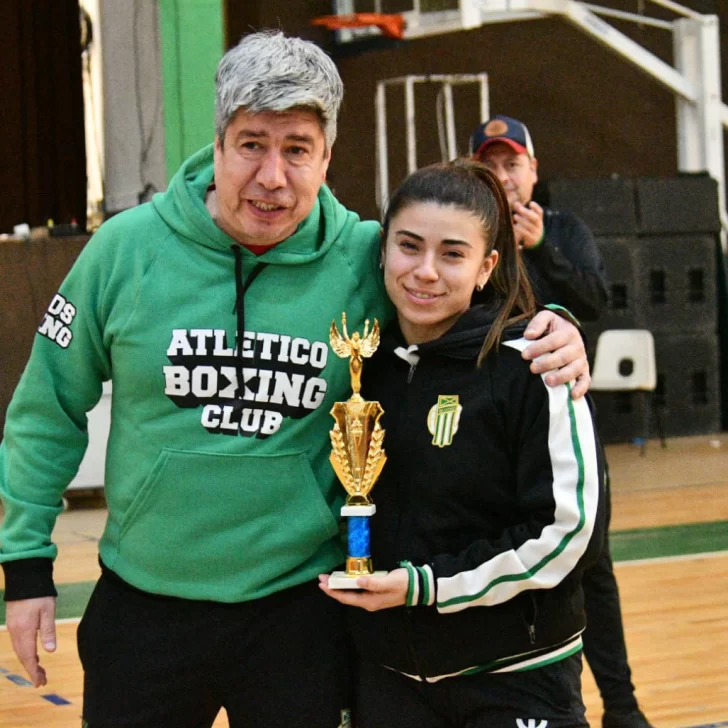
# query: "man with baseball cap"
[[566, 268], [559, 251]]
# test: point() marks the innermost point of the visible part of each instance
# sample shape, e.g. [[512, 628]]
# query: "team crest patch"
[[443, 419]]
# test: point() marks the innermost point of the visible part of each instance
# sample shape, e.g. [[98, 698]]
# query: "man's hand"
[[527, 224], [378, 592], [25, 619], [559, 347]]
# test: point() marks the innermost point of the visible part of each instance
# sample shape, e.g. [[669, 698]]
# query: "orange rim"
[[391, 24]]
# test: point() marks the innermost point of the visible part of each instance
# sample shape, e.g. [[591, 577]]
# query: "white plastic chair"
[[625, 361]]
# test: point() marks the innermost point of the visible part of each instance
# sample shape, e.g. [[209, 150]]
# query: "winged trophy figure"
[[355, 347]]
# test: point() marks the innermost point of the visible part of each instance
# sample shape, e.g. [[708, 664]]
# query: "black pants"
[[604, 644], [484, 700], [159, 662]]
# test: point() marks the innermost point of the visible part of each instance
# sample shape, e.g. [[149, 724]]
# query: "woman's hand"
[[376, 592], [558, 349]]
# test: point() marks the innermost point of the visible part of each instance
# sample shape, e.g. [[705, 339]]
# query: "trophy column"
[[358, 552]]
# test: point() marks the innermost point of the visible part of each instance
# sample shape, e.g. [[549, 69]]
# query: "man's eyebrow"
[[303, 138], [255, 133], [263, 134]]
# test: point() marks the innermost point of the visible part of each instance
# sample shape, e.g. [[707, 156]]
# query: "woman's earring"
[[479, 287]]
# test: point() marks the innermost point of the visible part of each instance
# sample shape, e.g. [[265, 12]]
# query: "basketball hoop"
[[391, 24]]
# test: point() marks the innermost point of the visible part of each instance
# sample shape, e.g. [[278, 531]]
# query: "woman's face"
[[434, 258]]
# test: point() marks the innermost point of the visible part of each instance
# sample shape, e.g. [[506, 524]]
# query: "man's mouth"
[[265, 206]]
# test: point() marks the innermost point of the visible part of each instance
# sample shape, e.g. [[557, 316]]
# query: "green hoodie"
[[213, 493]]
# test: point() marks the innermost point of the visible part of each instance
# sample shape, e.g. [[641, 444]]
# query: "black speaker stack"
[[659, 238]]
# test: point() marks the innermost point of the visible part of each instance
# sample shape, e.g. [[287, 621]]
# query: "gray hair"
[[267, 71]]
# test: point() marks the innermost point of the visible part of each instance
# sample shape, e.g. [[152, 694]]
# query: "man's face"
[[516, 172], [268, 174]]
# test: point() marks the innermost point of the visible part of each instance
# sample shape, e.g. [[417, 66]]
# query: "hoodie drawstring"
[[241, 286]]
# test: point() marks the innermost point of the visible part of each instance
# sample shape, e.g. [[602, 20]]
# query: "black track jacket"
[[567, 267], [491, 496]]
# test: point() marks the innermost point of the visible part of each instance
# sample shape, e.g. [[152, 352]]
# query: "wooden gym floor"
[[670, 541]]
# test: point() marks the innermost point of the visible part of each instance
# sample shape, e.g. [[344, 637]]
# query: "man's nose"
[[502, 174], [272, 172]]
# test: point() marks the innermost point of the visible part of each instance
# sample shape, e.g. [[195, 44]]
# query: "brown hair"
[[470, 186]]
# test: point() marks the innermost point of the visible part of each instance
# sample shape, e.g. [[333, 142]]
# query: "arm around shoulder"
[[556, 347]]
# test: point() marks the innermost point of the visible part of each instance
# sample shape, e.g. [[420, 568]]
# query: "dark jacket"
[[493, 499], [567, 268]]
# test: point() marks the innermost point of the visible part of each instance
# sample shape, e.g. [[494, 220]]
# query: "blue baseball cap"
[[501, 129]]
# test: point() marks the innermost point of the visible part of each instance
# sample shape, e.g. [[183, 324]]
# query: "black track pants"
[[548, 697], [159, 662], [604, 644]]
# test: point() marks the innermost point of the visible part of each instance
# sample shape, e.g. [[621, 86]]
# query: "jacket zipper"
[[531, 624], [408, 616]]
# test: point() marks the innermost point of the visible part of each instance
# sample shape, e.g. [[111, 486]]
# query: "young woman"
[[488, 506]]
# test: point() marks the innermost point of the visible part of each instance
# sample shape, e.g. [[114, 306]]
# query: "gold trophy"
[[356, 453]]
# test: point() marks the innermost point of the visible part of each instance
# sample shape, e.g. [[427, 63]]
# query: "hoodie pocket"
[[214, 526]]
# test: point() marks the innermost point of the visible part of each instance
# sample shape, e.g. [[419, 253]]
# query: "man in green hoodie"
[[208, 309]]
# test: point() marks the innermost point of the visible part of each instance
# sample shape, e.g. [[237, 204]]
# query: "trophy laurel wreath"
[[357, 455]]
